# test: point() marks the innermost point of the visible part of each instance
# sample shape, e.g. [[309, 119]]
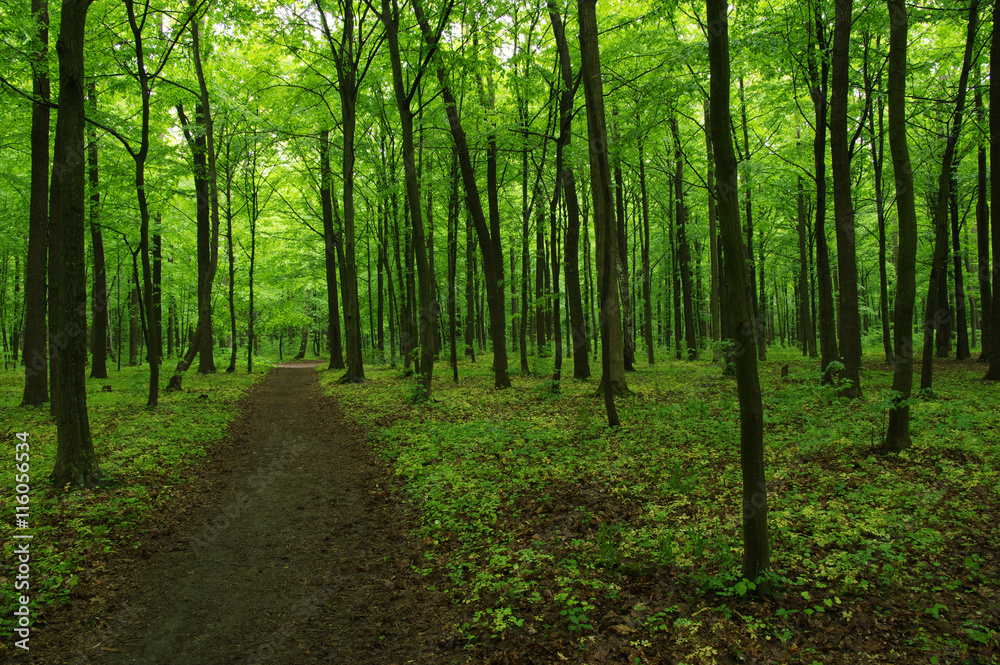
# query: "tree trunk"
[[612, 352], [428, 313], [36, 380], [808, 331], [76, 462], [756, 550], [961, 322], [99, 293], [684, 252], [489, 237], [848, 317], [348, 82], [330, 241], [624, 287], [819, 76], [232, 262], [898, 433], [646, 275], [939, 268], [983, 242], [993, 372]]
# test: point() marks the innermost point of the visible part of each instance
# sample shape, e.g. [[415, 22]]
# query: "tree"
[[934, 315], [36, 384], [574, 295], [99, 292], [76, 462], [352, 63], [612, 350], [993, 373], [490, 239], [898, 433], [739, 302], [404, 98], [848, 318]]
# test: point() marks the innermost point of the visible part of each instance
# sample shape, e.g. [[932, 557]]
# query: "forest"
[[645, 332]]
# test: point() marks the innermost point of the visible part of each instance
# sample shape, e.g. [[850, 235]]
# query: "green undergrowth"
[[549, 527], [143, 454]]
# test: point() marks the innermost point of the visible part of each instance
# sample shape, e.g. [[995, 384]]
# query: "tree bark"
[[36, 380], [428, 312], [683, 251], [756, 549], [612, 351], [76, 462], [99, 292], [961, 322], [489, 237], [330, 253], [993, 372], [898, 433], [819, 76], [983, 243], [936, 315], [848, 318]]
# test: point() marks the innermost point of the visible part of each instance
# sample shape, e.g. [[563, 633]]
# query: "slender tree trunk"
[[489, 237], [454, 207], [646, 276], [983, 242], [962, 351], [819, 76], [898, 433], [715, 296], [877, 143], [99, 293], [993, 372], [624, 286], [612, 352], [36, 381], [848, 318], [808, 332], [758, 299], [76, 462], [232, 262], [428, 313], [939, 268], [684, 252], [330, 241], [756, 549]]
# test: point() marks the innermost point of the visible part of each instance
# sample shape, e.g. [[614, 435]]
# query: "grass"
[[548, 527], [143, 454]]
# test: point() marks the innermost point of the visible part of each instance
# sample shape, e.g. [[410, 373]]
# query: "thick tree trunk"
[[848, 318], [76, 462], [756, 549], [898, 433], [612, 352], [36, 380]]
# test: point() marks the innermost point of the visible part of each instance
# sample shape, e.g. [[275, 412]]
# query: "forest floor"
[[366, 524], [285, 547]]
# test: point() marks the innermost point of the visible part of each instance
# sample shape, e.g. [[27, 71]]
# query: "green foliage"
[[522, 497]]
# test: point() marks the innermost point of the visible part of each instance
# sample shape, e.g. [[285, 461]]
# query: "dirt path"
[[287, 549]]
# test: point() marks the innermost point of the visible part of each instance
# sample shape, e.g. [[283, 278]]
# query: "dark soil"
[[286, 547]]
